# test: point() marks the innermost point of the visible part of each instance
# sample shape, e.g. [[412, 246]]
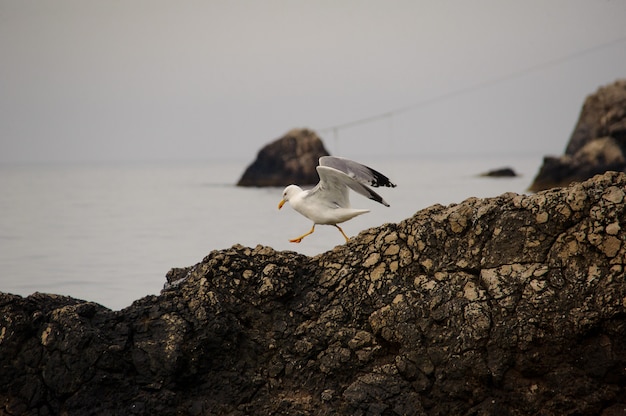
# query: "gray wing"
[[361, 173], [333, 188]]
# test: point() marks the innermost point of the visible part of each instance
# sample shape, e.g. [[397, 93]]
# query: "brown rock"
[[292, 159], [505, 172], [511, 305], [597, 145]]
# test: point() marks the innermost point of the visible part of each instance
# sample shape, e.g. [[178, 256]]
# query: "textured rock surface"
[[290, 159], [511, 305], [597, 145]]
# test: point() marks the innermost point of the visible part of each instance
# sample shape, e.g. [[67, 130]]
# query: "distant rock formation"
[[512, 305], [290, 159], [597, 145], [500, 173]]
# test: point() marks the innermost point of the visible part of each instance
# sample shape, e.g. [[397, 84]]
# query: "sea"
[[109, 232]]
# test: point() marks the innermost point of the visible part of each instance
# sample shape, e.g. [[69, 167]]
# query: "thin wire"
[[476, 87]]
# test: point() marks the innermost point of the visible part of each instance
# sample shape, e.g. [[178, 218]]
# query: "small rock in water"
[[500, 173]]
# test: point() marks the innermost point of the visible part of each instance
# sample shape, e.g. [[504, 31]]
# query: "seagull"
[[328, 202]]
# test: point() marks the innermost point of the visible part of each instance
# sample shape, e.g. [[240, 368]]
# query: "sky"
[[155, 80]]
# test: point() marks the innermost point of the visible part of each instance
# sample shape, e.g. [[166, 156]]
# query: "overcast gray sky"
[[84, 80]]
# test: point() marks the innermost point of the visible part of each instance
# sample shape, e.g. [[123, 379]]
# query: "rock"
[[597, 145], [500, 173], [508, 305], [292, 159]]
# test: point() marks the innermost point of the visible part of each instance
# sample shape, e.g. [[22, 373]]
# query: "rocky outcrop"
[[506, 172], [597, 145], [514, 305], [292, 159]]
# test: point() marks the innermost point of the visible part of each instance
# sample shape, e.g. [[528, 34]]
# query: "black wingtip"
[[375, 197], [380, 179]]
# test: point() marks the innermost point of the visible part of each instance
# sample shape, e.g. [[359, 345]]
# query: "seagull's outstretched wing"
[[337, 174], [361, 173]]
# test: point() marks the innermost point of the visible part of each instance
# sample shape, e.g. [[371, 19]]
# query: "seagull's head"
[[289, 191]]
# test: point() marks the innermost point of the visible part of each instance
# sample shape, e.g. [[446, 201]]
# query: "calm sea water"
[[110, 233]]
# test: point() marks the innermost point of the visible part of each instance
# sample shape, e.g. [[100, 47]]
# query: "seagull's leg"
[[342, 233], [298, 239]]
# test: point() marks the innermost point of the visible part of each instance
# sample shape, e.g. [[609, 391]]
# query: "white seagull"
[[329, 203]]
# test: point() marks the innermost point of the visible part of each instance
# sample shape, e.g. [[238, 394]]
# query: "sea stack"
[[289, 159], [597, 145]]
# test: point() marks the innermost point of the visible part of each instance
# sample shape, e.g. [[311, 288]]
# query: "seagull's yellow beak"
[[281, 203]]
